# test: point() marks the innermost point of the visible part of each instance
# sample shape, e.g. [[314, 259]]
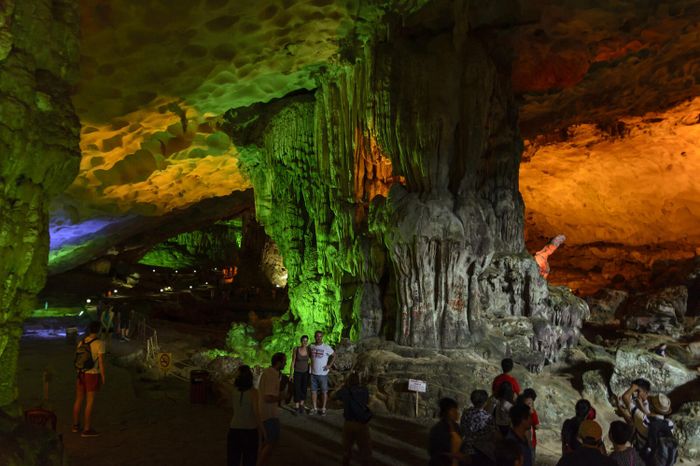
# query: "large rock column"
[[407, 155], [39, 154]]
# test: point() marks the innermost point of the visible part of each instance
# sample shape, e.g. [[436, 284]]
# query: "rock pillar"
[[39, 153]]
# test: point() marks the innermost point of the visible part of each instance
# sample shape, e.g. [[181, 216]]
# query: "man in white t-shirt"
[[319, 353], [89, 381]]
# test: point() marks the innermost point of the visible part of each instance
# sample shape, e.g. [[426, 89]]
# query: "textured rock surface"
[[594, 387], [22, 444], [451, 225], [657, 312], [129, 238], [604, 305], [680, 273], [38, 153], [687, 421], [665, 374]]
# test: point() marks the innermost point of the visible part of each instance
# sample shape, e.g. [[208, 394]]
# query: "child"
[[528, 398], [623, 452]]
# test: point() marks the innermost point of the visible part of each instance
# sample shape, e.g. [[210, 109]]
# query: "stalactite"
[[432, 125]]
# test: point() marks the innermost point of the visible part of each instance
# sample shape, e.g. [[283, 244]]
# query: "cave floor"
[[147, 423]]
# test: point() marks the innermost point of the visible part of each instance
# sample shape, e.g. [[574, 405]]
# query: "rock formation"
[[39, 153], [448, 156]]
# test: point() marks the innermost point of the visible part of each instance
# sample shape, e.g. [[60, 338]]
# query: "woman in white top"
[[246, 426], [501, 413]]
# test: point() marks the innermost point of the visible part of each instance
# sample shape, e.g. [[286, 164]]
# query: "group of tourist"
[[256, 411], [501, 429]]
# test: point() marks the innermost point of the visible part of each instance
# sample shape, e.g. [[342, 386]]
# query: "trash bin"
[[199, 386], [72, 335]]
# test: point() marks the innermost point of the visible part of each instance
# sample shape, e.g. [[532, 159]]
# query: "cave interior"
[[384, 171]]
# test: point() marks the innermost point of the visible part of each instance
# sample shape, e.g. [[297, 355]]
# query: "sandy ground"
[[153, 423]]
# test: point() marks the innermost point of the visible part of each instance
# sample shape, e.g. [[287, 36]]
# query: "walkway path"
[[152, 423]]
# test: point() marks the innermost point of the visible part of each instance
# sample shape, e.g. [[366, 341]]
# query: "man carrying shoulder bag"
[[357, 414]]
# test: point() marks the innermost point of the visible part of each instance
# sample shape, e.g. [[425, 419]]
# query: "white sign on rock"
[[419, 386]]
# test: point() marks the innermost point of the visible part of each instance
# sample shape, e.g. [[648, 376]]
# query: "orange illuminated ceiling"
[[636, 183], [155, 78]]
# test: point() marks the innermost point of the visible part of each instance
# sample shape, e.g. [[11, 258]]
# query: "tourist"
[[623, 453], [507, 367], [590, 451], [636, 395], [661, 350], [320, 365], [89, 363], [478, 429], [355, 398], [246, 424], [270, 396], [508, 453], [299, 374], [107, 327], [653, 432], [569, 431], [123, 332], [504, 402], [445, 439], [520, 419], [528, 398]]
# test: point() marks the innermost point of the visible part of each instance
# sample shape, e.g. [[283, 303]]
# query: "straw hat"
[[660, 403]]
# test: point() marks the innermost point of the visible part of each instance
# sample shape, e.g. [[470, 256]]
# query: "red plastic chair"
[[40, 417]]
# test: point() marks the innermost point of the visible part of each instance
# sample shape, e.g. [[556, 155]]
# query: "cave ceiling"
[[606, 91]]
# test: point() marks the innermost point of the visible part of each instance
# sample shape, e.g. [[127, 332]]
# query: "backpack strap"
[[88, 343]]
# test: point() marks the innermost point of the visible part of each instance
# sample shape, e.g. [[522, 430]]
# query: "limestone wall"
[[39, 153]]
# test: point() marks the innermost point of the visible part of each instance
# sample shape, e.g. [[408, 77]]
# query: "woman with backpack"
[[89, 364], [246, 426], [501, 411]]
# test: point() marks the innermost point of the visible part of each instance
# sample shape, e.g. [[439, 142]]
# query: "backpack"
[[662, 447], [360, 411], [83, 356]]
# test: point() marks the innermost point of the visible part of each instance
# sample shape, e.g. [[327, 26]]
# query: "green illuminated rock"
[[217, 244], [39, 154], [436, 102]]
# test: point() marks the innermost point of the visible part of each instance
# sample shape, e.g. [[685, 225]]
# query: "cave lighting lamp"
[[88, 301]]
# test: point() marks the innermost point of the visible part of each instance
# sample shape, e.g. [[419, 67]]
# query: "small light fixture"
[[161, 290], [206, 283], [116, 291], [88, 300], [154, 270], [176, 271], [190, 287], [81, 313], [195, 271]]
